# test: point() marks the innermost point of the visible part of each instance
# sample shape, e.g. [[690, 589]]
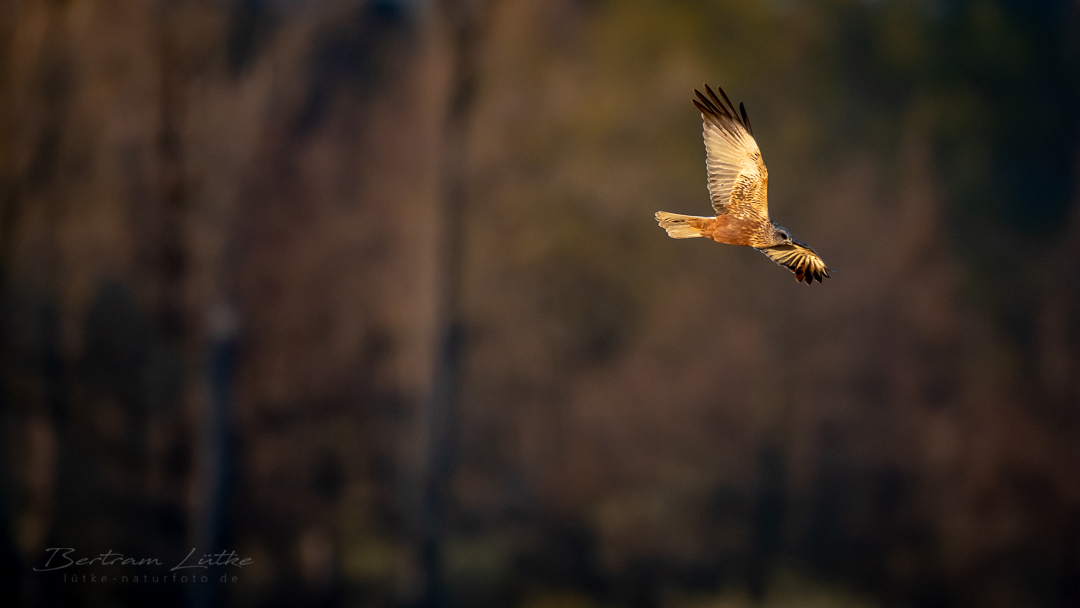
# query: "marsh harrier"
[[738, 187]]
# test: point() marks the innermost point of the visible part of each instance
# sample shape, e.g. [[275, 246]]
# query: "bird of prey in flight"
[[738, 185]]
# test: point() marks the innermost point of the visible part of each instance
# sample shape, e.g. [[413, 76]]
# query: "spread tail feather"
[[683, 226]]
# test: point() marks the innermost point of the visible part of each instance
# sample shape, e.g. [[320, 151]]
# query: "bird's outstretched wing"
[[738, 180], [800, 259]]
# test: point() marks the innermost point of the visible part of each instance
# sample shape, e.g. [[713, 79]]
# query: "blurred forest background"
[[370, 292]]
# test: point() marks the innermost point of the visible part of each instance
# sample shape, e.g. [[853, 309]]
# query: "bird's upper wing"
[[738, 180], [800, 259]]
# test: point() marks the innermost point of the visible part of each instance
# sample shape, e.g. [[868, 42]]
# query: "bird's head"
[[780, 235]]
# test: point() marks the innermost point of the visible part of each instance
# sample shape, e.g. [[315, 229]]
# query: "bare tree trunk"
[[18, 187], [463, 19], [169, 258]]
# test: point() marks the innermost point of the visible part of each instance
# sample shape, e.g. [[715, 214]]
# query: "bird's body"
[[738, 186], [724, 228]]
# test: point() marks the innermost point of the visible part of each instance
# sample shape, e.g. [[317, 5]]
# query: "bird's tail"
[[683, 226]]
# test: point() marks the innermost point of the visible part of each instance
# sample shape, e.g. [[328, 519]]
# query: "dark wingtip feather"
[[711, 99], [726, 110], [708, 103], [745, 118], [730, 105]]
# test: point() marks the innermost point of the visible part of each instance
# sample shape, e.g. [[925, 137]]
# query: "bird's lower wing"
[[800, 259]]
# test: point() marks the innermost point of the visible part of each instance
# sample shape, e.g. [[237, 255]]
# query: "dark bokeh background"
[[370, 292]]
